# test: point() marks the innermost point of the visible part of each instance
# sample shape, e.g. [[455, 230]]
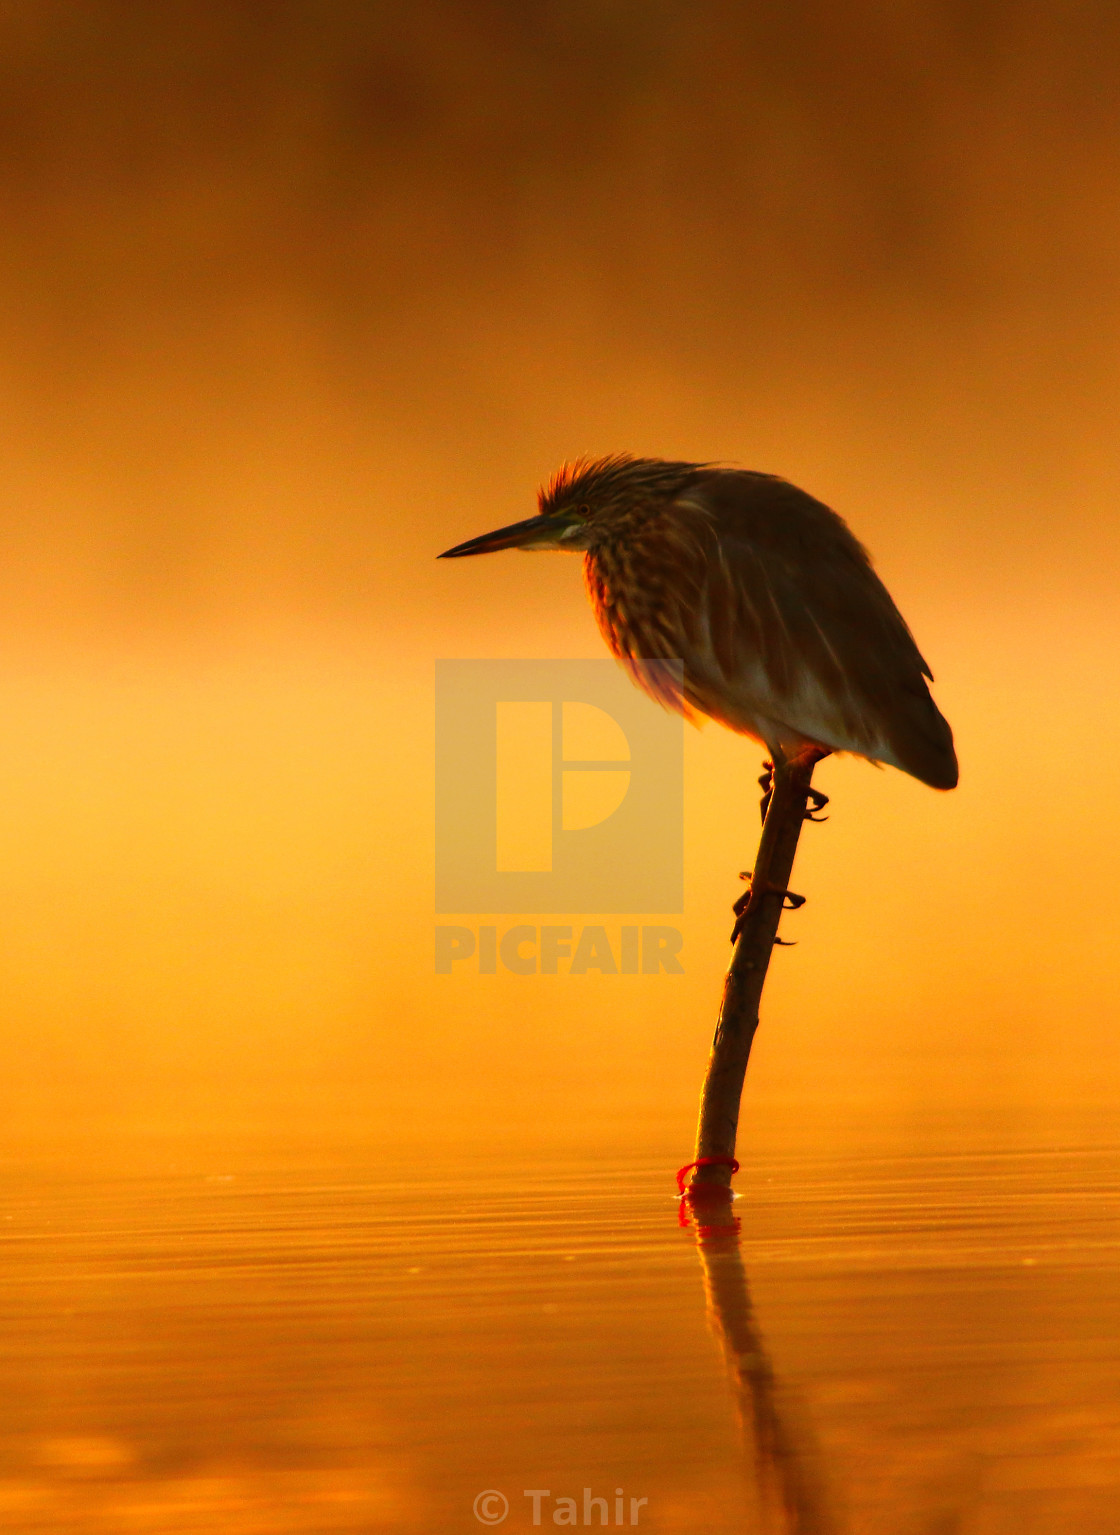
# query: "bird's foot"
[[766, 784], [816, 801], [742, 907]]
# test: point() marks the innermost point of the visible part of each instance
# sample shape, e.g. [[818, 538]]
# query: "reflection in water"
[[787, 1489]]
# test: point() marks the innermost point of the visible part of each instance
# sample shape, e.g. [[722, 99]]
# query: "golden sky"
[[295, 296]]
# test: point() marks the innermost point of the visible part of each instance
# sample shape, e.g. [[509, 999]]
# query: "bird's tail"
[[922, 742]]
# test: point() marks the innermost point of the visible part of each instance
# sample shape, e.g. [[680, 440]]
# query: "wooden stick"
[[746, 976]]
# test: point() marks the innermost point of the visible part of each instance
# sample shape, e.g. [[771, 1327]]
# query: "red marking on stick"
[[724, 1161]]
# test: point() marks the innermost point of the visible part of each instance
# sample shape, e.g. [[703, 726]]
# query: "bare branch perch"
[[746, 976]]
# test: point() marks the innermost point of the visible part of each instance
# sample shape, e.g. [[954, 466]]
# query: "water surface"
[[269, 1340]]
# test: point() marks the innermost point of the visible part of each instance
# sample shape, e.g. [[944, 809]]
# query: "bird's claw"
[[790, 902], [816, 801], [766, 784]]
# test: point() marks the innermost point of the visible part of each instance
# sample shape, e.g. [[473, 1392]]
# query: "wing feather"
[[835, 634], [784, 628]]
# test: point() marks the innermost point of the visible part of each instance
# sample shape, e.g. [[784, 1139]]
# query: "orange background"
[[297, 296]]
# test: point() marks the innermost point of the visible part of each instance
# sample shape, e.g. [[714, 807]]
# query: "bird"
[[785, 631]]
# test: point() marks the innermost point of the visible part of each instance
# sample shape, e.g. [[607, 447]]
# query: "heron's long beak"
[[533, 533]]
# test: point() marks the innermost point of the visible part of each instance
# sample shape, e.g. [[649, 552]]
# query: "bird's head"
[[584, 503]]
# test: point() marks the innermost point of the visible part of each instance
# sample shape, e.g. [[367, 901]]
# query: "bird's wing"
[[790, 603]]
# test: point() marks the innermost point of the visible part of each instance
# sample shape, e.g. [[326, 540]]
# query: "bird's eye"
[[583, 511]]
